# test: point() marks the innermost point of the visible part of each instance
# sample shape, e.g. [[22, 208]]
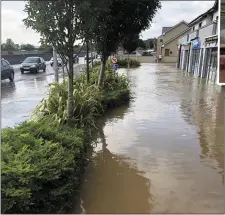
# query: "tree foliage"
[[130, 42], [9, 45], [121, 18], [59, 24]]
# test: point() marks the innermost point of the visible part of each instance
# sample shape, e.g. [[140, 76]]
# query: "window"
[[4, 64], [167, 51], [200, 25], [187, 37], [197, 33], [161, 40], [171, 52], [193, 28]]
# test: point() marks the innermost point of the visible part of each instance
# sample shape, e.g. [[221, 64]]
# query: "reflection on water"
[[163, 153]]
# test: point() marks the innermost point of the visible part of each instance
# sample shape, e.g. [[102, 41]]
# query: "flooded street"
[[162, 153]]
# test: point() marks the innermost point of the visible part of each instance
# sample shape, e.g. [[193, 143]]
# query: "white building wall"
[[206, 30]]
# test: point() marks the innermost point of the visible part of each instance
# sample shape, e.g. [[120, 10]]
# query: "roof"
[[180, 34], [175, 26], [165, 29], [203, 15]]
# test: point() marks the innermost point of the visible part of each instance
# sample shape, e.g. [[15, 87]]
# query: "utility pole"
[[55, 65]]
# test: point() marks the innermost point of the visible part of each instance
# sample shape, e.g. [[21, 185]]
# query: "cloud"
[[170, 14]]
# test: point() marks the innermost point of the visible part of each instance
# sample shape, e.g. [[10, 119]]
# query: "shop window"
[[195, 60], [167, 52]]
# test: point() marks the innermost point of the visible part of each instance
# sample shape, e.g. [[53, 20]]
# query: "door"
[[195, 60], [40, 66], [5, 69], [211, 64], [185, 59]]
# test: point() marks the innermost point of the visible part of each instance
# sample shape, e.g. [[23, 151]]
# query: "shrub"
[[42, 161], [41, 164], [124, 63], [89, 101]]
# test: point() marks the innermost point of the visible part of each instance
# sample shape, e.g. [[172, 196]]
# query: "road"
[[21, 97]]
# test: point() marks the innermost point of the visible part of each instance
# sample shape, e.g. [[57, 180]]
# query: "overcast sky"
[[170, 14]]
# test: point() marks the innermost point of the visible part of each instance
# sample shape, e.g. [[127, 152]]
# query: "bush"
[[124, 63], [41, 164], [89, 101], [42, 161]]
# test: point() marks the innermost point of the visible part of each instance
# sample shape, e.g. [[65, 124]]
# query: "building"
[[167, 41], [222, 45], [198, 47]]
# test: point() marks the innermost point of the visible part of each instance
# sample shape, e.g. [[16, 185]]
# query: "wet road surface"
[[19, 98], [164, 153]]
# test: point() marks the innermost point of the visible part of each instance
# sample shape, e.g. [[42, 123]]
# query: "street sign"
[[115, 66], [114, 60]]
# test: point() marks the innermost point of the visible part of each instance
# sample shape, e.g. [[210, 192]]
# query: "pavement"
[[19, 98]]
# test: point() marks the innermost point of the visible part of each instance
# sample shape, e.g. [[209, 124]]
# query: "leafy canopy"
[[56, 21], [130, 42], [122, 17]]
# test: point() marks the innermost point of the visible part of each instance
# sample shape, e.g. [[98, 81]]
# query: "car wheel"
[[22, 72], [11, 77]]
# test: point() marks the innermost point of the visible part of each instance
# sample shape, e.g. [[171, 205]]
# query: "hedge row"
[[42, 161]]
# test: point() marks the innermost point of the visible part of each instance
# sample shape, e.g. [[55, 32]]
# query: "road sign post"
[[114, 62]]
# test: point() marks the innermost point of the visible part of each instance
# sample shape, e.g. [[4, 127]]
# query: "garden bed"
[[42, 160]]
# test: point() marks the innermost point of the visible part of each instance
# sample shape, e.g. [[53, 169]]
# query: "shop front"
[[195, 56], [211, 51]]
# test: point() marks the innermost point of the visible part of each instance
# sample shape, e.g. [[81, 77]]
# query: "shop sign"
[[211, 39], [196, 44]]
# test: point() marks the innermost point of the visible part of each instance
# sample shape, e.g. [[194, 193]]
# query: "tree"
[[141, 44], [46, 48], [151, 43], [27, 47], [9, 45], [130, 44], [59, 25], [121, 18]]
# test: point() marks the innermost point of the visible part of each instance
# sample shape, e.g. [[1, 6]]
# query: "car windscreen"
[[31, 60]]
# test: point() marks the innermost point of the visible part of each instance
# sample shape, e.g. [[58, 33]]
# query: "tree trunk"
[[92, 57], [128, 61], [70, 89], [102, 71], [87, 62], [55, 65]]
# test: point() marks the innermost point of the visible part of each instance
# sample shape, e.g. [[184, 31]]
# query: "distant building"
[[197, 48], [167, 41]]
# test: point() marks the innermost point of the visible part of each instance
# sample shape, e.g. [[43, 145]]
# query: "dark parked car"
[[7, 71], [33, 64]]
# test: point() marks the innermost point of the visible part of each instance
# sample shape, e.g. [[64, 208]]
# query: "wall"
[[16, 59], [169, 59], [172, 46], [174, 32], [169, 35]]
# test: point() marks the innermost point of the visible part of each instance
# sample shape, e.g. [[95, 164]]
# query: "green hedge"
[[42, 161], [124, 63]]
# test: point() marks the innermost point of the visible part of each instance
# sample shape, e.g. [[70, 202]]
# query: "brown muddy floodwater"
[[164, 153]]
